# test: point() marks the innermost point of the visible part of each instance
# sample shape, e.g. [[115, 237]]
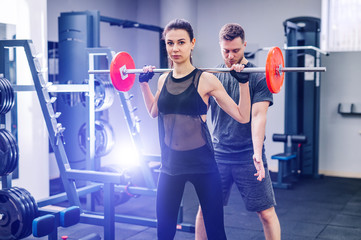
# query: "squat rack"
[[109, 182]]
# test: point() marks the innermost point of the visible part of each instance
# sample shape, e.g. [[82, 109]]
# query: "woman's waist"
[[189, 148]]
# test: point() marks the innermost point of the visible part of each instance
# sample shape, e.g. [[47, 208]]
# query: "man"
[[239, 148]]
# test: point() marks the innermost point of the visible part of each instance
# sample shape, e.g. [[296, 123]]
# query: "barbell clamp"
[[123, 72]]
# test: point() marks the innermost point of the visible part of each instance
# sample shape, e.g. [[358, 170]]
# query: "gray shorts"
[[257, 196]]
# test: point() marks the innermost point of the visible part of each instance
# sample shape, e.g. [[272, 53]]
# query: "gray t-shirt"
[[231, 139]]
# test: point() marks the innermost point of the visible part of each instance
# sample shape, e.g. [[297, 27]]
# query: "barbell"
[[122, 70]]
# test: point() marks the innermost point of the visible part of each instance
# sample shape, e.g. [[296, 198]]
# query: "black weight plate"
[[24, 211], [3, 94], [29, 211], [14, 208], [10, 95], [31, 200], [34, 205], [6, 87], [11, 218], [3, 135], [82, 137], [5, 147], [4, 163], [7, 94], [32, 209], [6, 139], [27, 218], [14, 148], [104, 138]]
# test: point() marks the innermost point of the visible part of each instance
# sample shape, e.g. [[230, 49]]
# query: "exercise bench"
[[47, 224], [286, 158]]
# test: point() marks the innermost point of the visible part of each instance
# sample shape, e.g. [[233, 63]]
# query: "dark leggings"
[[169, 196]]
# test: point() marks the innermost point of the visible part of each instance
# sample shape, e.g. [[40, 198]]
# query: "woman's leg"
[[209, 191], [169, 196]]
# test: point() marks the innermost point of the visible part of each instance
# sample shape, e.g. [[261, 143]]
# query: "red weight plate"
[[273, 76], [122, 59]]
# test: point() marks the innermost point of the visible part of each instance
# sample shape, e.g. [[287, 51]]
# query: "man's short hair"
[[231, 31]]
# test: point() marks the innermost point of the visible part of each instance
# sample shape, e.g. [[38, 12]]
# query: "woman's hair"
[[179, 24], [231, 31]]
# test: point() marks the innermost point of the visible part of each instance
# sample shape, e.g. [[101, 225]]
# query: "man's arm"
[[258, 124]]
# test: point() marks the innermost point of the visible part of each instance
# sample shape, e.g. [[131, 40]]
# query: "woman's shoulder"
[[209, 79], [162, 79], [208, 75], [209, 82], [163, 76]]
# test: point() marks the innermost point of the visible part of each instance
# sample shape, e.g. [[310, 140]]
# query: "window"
[[341, 25]]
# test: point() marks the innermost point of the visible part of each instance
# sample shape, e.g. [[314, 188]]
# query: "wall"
[[30, 16], [340, 136]]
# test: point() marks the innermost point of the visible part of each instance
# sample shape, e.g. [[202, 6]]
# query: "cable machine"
[[302, 90]]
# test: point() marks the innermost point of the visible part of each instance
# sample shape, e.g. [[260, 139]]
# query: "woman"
[[181, 104]]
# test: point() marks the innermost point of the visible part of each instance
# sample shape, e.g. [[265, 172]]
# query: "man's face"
[[232, 51]]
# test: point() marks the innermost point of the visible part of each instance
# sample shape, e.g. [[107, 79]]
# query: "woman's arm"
[[150, 100], [213, 87]]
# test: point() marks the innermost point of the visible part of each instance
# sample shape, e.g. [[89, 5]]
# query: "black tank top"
[[184, 137]]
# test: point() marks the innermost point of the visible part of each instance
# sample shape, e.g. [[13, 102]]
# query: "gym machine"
[[302, 90]]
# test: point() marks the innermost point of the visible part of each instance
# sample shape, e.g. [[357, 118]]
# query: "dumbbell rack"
[[108, 182]]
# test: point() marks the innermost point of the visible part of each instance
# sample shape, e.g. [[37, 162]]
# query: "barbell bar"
[[122, 70], [219, 70]]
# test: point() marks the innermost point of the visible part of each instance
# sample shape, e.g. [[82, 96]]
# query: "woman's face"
[[179, 45]]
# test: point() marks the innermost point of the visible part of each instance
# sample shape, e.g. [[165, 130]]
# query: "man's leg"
[[200, 233], [258, 196], [271, 225]]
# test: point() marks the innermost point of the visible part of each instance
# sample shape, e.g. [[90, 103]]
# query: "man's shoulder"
[[221, 65]]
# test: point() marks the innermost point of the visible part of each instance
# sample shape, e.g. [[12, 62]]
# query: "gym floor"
[[327, 208]]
